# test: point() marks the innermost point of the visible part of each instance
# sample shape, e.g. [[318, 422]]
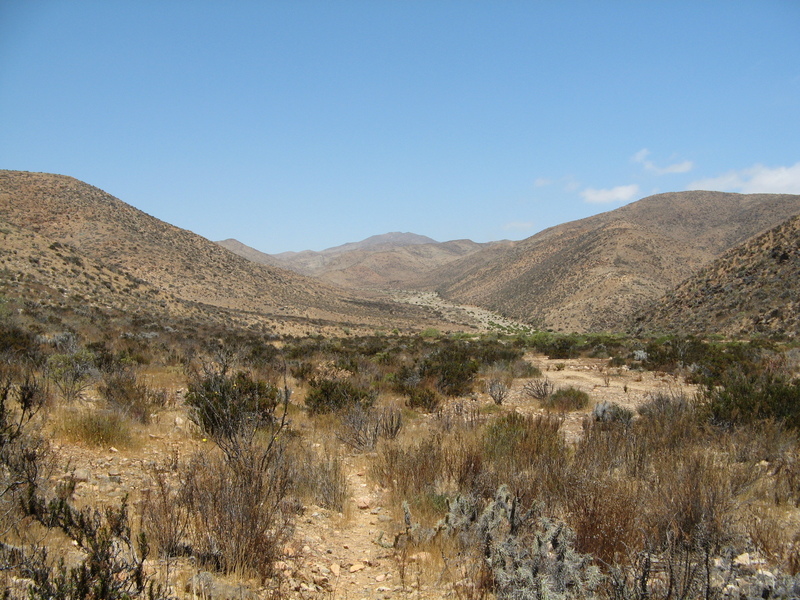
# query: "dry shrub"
[[498, 390], [779, 544], [26, 457], [608, 446], [538, 388], [528, 453], [361, 427], [127, 394], [97, 428], [412, 472], [694, 499], [786, 479], [459, 414], [766, 440], [465, 464], [164, 515], [321, 479], [239, 521], [669, 422], [603, 513]]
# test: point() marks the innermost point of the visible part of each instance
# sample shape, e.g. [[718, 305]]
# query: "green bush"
[[16, 341], [453, 367], [71, 372], [331, 395], [424, 399], [229, 406], [742, 398], [566, 399]]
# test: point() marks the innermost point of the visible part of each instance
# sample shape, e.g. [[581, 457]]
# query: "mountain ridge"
[[178, 262], [750, 290], [592, 273]]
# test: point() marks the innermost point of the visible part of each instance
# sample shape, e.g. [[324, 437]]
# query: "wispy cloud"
[[519, 226], [542, 182], [679, 167], [621, 193], [754, 180]]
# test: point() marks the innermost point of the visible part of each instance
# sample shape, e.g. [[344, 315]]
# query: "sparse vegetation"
[[652, 494]]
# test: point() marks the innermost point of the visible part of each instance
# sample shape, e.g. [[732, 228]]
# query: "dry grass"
[[96, 427]]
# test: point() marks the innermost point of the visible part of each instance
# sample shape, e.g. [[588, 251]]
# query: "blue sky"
[[298, 125]]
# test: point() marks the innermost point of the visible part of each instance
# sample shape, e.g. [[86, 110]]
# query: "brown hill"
[[592, 274], [388, 261], [753, 288], [247, 252], [180, 264]]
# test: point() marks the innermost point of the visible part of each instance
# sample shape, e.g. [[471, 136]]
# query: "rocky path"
[[480, 318]]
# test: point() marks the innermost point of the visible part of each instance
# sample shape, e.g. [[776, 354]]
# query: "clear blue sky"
[[296, 124]]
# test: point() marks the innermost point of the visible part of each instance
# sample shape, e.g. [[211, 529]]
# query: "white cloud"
[[518, 226], [641, 155], [754, 180], [679, 167], [621, 193], [542, 182]]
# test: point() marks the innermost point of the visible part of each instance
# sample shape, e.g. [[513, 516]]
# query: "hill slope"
[[592, 274], [753, 288], [179, 263]]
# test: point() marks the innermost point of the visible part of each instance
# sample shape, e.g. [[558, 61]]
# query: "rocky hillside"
[[592, 274], [179, 264], [753, 288], [388, 261]]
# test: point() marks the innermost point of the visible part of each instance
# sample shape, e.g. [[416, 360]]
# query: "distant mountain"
[[754, 288], [387, 261], [178, 264], [247, 252], [592, 274], [393, 239]]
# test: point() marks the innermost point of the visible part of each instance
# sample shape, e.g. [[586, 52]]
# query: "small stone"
[[363, 503], [112, 449], [335, 569], [742, 560], [380, 578], [81, 475], [356, 567]]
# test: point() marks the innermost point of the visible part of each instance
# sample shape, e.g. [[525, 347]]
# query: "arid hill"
[[592, 274], [753, 288], [179, 264], [388, 261]]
